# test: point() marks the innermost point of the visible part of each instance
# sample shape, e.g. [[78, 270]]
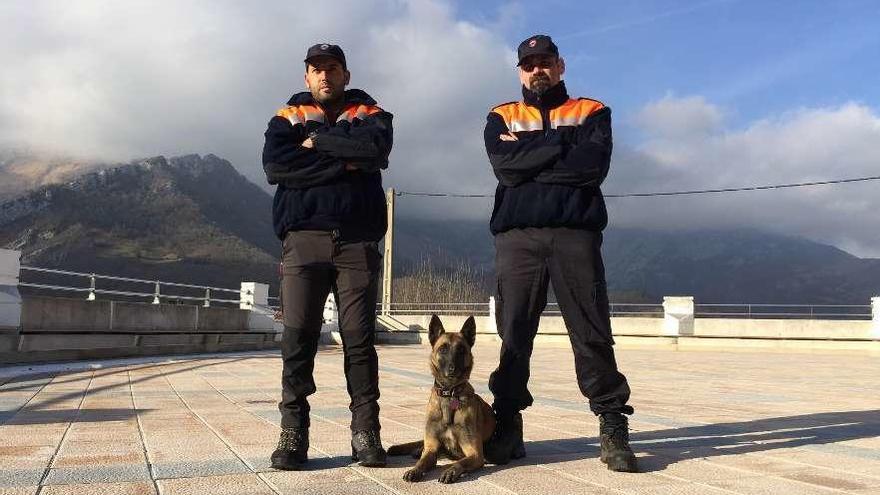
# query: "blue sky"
[[753, 58]]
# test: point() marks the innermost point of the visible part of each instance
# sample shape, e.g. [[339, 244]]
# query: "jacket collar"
[[352, 96], [552, 98]]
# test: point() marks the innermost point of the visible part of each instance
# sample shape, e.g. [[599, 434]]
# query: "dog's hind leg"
[[412, 448]]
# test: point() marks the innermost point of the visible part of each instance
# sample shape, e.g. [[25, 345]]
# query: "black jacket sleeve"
[[288, 163], [515, 162], [364, 144], [586, 161]]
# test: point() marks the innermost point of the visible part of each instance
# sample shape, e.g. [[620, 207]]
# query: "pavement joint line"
[[765, 456], [327, 420], [325, 453], [25, 403], [140, 427], [712, 451], [701, 483], [48, 469], [217, 434], [554, 404], [771, 475], [572, 477]]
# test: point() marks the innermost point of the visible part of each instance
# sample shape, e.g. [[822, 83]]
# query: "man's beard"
[[539, 83], [331, 99]]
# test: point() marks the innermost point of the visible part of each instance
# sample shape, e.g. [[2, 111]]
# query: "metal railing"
[[172, 292], [440, 309], [482, 309], [785, 311], [169, 292]]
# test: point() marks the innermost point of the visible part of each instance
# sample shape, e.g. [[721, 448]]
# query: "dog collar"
[[446, 392]]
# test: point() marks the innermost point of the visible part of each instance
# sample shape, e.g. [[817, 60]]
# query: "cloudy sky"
[[705, 94]]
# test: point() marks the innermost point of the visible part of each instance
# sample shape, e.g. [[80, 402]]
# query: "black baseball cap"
[[327, 50], [539, 44]]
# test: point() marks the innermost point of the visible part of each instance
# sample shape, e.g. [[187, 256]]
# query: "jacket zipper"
[[545, 117]]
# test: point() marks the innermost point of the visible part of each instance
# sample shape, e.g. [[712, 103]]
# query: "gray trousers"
[[314, 264]]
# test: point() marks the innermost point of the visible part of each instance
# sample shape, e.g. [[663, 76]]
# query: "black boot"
[[292, 450], [507, 440], [614, 443], [366, 448]]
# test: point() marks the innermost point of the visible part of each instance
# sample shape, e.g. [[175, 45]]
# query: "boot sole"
[[518, 452], [620, 465], [355, 458], [289, 467]]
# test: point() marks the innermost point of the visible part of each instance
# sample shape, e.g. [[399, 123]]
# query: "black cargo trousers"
[[526, 260], [314, 263]]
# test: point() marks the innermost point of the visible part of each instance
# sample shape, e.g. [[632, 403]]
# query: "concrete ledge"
[[179, 339], [143, 349], [51, 342], [788, 329], [223, 319], [153, 317], [8, 342], [53, 314], [871, 347]]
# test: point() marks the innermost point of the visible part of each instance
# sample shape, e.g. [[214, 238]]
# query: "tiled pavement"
[[705, 423]]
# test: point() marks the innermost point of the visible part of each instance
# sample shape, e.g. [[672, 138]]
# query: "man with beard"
[[550, 154], [325, 151]]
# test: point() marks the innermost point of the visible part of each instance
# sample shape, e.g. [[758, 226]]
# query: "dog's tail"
[[412, 448]]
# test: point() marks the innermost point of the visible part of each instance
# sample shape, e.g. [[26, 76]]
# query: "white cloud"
[[118, 80], [809, 144]]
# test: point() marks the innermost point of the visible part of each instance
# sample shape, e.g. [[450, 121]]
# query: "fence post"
[[493, 323], [331, 312], [207, 303], [91, 296], [156, 294], [875, 317], [10, 299], [388, 260], [253, 294], [678, 315]]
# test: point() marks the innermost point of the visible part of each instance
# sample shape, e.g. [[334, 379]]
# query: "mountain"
[[23, 171], [723, 266], [189, 219], [195, 219]]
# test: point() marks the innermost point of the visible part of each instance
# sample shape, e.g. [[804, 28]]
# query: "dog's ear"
[[469, 331], [435, 329]]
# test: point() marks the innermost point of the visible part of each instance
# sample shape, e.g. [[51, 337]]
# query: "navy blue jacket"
[[315, 191], [550, 176]]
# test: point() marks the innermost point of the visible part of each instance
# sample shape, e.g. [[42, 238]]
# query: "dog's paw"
[[413, 475], [451, 474]]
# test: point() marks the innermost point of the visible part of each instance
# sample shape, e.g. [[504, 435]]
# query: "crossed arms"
[[578, 156], [297, 160]]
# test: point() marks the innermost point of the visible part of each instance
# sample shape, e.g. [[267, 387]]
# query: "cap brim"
[[334, 57]]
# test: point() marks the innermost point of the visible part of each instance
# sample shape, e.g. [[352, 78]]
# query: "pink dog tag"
[[454, 403]]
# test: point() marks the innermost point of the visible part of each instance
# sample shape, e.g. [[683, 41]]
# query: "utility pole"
[[388, 260]]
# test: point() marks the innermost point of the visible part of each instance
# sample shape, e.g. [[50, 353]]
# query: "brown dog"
[[458, 420]]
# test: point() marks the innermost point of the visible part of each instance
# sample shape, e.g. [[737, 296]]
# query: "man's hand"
[[308, 143], [508, 137], [350, 168]]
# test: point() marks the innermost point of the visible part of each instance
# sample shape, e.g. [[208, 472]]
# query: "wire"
[[665, 193]]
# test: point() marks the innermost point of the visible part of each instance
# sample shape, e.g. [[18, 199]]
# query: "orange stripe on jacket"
[[573, 112], [521, 117], [358, 112], [300, 114]]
